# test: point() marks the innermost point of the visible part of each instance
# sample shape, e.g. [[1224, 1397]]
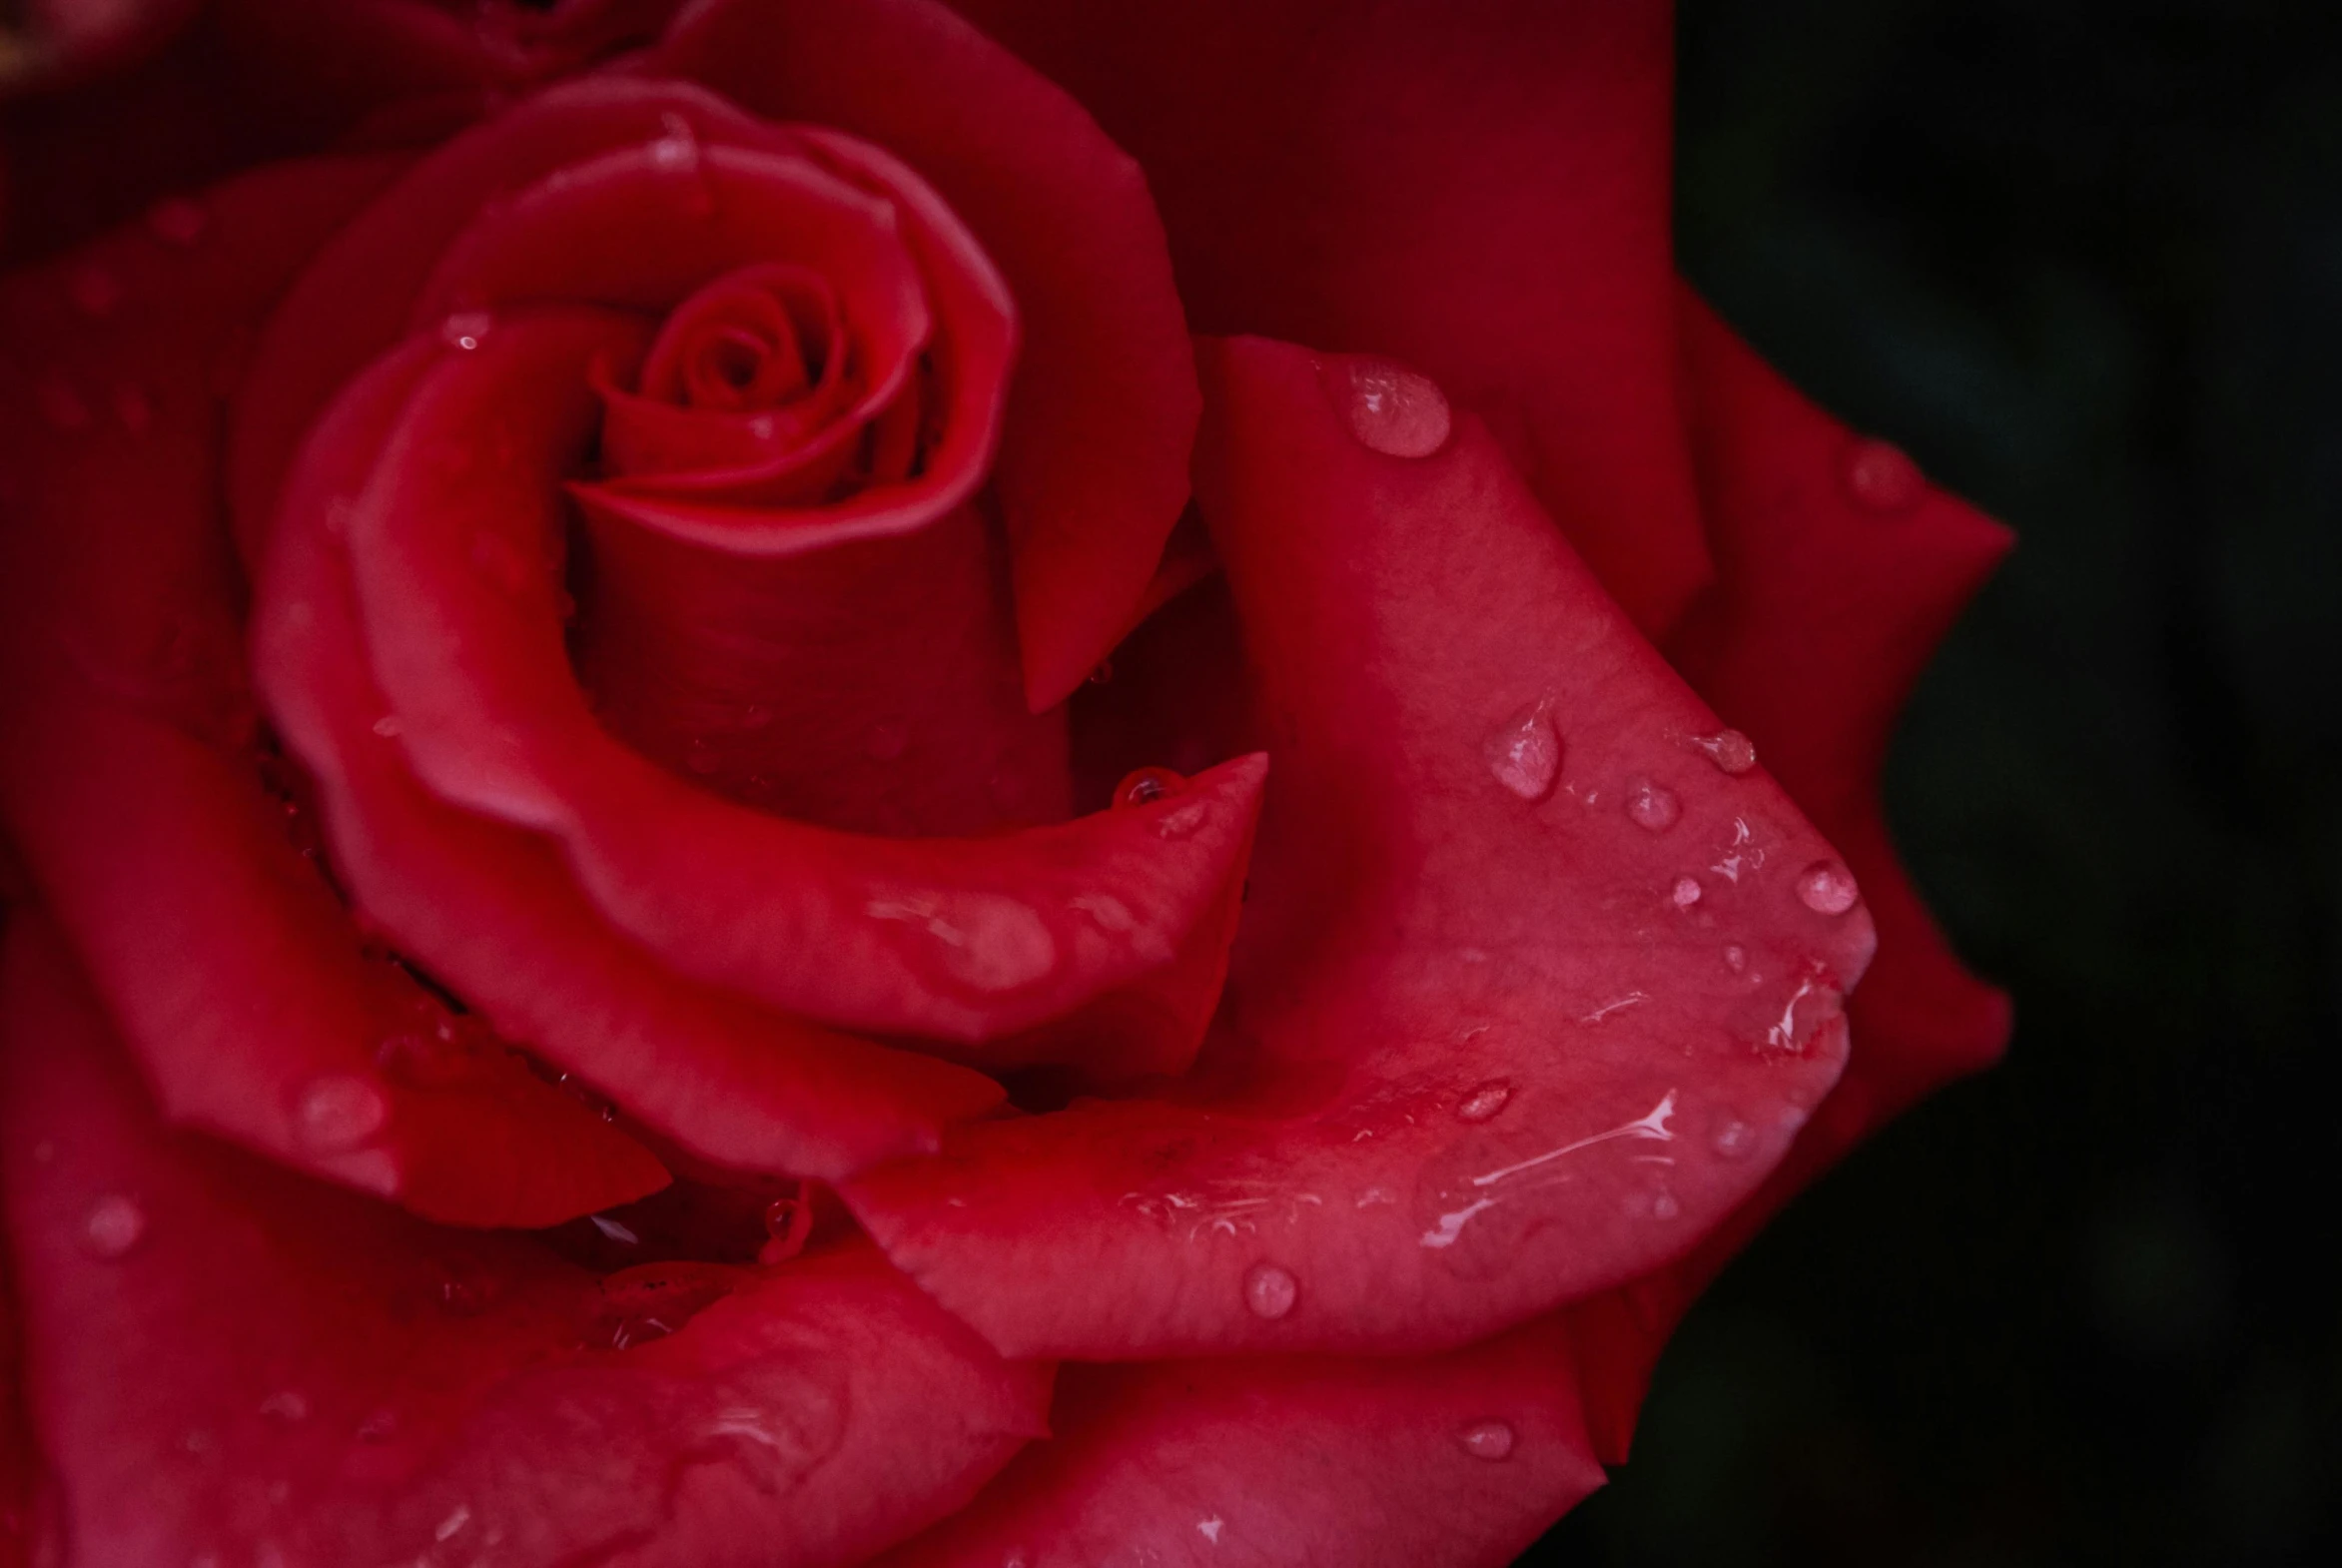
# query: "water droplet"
[[1146, 786], [61, 406], [1687, 891], [1736, 958], [1209, 1529], [755, 716], [379, 1427], [1728, 749], [678, 148], [1391, 409], [1524, 753], [466, 329], [702, 758], [339, 1111], [1270, 1291], [1103, 673], [1182, 821], [1483, 1101], [1733, 1139], [131, 408], [1664, 1205], [1487, 1440], [453, 1524], [114, 1225], [886, 740], [1652, 806], [617, 1230], [177, 220], [1881, 478], [94, 292], [388, 727], [1826, 888], [788, 1224], [985, 940], [44, 1151], [289, 1405]]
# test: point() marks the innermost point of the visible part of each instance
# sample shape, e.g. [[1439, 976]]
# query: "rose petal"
[[1505, 1049], [1094, 467], [493, 911], [1826, 609], [125, 773], [1431, 1462], [1479, 188], [235, 1362]]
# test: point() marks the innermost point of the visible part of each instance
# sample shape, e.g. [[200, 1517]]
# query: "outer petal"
[[125, 773], [1516, 1064], [1478, 186], [230, 1360], [1840, 573], [1442, 1461], [1093, 470]]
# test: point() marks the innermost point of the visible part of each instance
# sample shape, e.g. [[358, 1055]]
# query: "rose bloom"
[[792, 781]]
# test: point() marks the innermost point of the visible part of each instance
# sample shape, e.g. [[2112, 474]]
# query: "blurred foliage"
[[2084, 259]]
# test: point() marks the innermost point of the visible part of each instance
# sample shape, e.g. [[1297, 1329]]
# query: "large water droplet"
[[1270, 1291], [1664, 1205], [1728, 749], [1736, 958], [985, 940], [339, 1111], [1881, 478], [177, 220], [1391, 409], [1146, 786], [1685, 892], [388, 727], [93, 290], [1652, 806], [1827, 888], [1524, 753], [1483, 1101], [1487, 1440], [465, 330], [114, 1225]]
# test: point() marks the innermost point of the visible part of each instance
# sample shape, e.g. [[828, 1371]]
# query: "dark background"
[[2084, 262]]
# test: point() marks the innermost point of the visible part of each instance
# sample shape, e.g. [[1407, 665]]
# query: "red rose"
[[589, 980]]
